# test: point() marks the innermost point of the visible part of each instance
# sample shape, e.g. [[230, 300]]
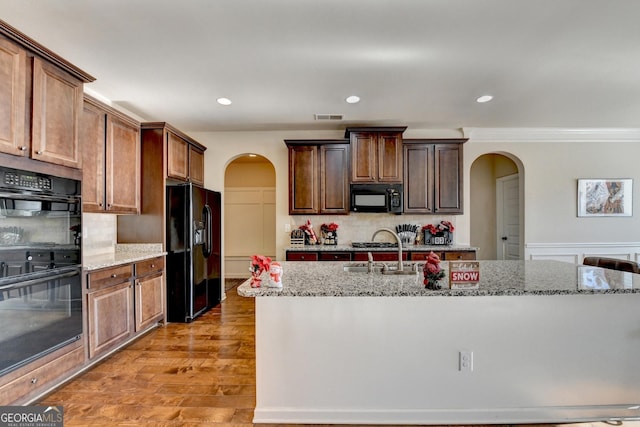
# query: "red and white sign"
[[464, 274]]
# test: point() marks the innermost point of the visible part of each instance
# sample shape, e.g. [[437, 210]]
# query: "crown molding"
[[552, 134]]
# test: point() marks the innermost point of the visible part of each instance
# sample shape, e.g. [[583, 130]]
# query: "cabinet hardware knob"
[[34, 380], [39, 152], [153, 266], [22, 148], [114, 276]]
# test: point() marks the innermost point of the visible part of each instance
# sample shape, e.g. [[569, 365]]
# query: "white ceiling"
[[418, 63]]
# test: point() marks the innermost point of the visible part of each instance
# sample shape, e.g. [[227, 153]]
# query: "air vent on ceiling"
[[328, 116]]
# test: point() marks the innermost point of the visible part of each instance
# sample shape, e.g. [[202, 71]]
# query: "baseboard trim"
[[535, 415]]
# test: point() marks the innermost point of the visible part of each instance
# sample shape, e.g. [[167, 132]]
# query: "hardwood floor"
[[196, 374]]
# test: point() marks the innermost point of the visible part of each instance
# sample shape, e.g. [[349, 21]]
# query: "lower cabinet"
[[24, 384], [123, 301], [445, 255], [149, 293], [377, 255]]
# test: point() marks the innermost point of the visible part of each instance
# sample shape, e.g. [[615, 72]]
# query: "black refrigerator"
[[193, 251]]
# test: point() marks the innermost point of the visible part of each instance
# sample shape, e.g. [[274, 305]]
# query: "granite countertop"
[[309, 279], [123, 254], [405, 248]]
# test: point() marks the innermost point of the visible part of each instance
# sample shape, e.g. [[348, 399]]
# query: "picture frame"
[[605, 197]]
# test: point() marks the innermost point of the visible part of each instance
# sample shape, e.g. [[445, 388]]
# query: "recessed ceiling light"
[[224, 101], [353, 99], [484, 98]]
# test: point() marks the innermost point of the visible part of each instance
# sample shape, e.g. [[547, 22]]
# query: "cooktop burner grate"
[[374, 245]]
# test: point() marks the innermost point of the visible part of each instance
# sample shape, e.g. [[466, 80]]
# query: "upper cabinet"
[[169, 156], [40, 101], [111, 160], [433, 176], [12, 98], [318, 177], [376, 154], [185, 157]]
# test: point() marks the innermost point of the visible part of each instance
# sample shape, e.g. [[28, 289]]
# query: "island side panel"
[[394, 360]]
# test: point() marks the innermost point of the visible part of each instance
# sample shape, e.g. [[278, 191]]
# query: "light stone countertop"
[[405, 248], [123, 254], [327, 278]]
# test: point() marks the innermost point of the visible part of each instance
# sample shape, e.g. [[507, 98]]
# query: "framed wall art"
[[605, 197]]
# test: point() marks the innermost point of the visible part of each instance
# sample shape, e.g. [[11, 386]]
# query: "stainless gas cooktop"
[[374, 245]]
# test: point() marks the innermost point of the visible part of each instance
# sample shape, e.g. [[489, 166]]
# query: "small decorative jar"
[[329, 233]]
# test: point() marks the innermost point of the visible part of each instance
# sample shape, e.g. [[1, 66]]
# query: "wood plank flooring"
[[196, 374]]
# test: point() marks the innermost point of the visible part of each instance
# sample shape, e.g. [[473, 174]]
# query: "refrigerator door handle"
[[208, 229]]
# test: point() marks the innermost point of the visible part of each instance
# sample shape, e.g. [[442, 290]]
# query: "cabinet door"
[[418, 178], [334, 179], [92, 133], [196, 165], [389, 157], [110, 317], [459, 255], [123, 166], [301, 256], [12, 99], [364, 156], [57, 106], [448, 178], [149, 300], [177, 157], [303, 180]]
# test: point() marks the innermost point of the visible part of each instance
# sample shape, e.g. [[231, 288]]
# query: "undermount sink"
[[378, 267]]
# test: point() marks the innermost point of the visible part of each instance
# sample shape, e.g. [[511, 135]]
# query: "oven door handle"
[[39, 197], [31, 282]]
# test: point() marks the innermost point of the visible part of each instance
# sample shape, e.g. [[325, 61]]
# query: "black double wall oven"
[[40, 265]]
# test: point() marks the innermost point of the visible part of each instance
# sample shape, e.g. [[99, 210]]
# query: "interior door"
[[508, 217]]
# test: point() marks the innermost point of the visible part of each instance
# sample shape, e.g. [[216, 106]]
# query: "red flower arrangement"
[[259, 264], [329, 227], [432, 272], [439, 228]]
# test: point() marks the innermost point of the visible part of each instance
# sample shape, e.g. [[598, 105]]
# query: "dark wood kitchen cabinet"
[[185, 161], [111, 159], [13, 79], [122, 302], [158, 141], [149, 293], [318, 177], [433, 176], [109, 308], [40, 102], [376, 154]]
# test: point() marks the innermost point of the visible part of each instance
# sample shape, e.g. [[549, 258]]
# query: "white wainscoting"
[[575, 252]]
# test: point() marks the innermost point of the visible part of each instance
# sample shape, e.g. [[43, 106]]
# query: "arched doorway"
[[249, 212], [496, 211]]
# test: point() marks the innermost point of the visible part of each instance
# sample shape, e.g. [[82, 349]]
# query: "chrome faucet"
[[395, 235]]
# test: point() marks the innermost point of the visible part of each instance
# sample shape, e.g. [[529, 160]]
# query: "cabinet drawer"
[[41, 378], [378, 256], [149, 266], [335, 256], [457, 255], [109, 276], [422, 256], [302, 256]]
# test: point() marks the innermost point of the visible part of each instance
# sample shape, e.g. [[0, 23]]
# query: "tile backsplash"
[[359, 227], [99, 233]]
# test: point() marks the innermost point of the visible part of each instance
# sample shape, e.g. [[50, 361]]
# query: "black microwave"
[[376, 198]]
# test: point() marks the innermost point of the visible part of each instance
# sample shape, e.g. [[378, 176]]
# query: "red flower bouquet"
[[439, 228], [329, 227], [432, 272]]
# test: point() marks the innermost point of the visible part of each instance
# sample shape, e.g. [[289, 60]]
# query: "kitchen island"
[[543, 342]]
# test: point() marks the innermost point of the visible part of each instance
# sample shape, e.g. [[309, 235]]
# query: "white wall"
[[553, 160]]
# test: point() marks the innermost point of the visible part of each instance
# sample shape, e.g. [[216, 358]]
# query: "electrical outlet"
[[287, 227], [466, 361]]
